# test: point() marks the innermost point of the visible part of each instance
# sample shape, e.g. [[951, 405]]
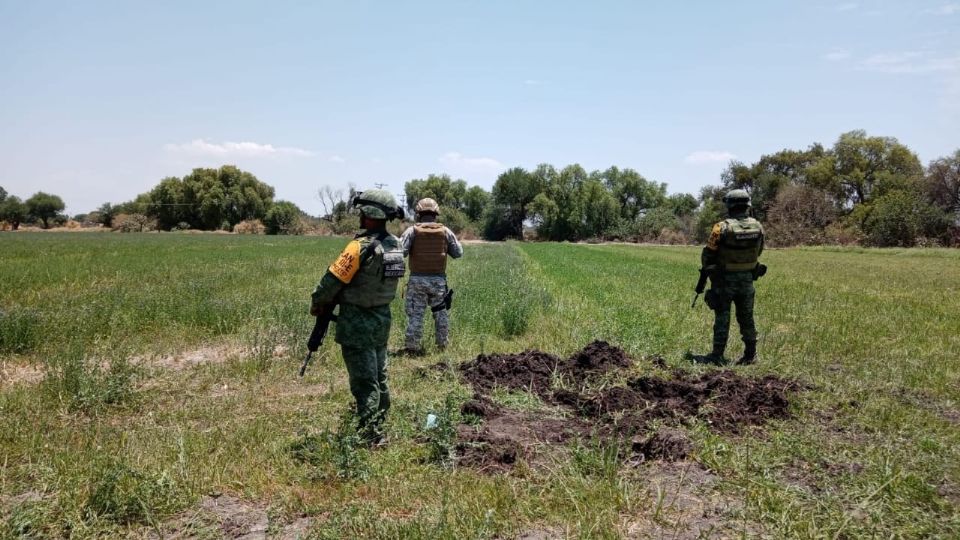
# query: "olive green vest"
[[429, 252], [375, 283], [740, 244]]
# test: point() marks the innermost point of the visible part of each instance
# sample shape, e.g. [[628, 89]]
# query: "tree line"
[[863, 189]]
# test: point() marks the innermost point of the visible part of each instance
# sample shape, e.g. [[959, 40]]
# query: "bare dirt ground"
[[11, 374], [226, 516], [724, 400]]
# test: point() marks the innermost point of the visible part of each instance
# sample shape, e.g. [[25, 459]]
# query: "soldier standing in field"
[[428, 244], [732, 255], [363, 281]]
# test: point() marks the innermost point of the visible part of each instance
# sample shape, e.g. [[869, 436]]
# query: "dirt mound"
[[725, 400], [530, 370]]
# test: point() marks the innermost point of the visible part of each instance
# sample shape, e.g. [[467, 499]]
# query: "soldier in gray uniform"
[[427, 244], [733, 250]]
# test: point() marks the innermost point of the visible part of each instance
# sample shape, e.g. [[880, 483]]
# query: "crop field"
[[149, 390]]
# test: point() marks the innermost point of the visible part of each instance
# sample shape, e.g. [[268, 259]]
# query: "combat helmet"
[[737, 197], [427, 206], [378, 204]]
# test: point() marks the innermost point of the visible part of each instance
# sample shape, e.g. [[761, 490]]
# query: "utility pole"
[[379, 185]]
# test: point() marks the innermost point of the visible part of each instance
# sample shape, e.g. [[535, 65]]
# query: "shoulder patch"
[[714, 241], [347, 264]]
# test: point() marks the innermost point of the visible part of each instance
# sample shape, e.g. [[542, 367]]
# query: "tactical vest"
[[375, 283], [429, 252], [740, 245]]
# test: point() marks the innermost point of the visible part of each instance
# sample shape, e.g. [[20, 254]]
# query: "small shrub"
[[85, 386], [124, 495], [250, 226], [672, 237], [442, 438], [344, 448]]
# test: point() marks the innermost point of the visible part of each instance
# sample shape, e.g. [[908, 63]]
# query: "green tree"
[[106, 213], [600, 210], [942, 184], [13, 211], [634, 193], [682, 204], [764, 179], [44, 207], [438, 187], [475, 200], [512, 192], [3, 194], [857, 163], [283, 217]]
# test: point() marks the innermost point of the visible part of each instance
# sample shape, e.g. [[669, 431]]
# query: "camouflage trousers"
[[737, 289], [367, 369], [422, 293]]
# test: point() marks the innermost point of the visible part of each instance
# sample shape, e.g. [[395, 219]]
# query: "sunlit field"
[[149, 389]]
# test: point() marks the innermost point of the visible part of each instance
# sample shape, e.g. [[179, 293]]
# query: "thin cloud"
[[456, 159], [848, 6], [945, 9], [336, 159], [533, 82], [709, 156], [202, 147], [837, 55], [910, 62]]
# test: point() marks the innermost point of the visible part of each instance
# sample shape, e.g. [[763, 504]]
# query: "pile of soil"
[[725, 400]]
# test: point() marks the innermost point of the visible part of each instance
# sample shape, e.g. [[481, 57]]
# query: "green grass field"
[[146, 377]]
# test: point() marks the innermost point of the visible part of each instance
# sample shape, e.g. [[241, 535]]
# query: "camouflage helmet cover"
[[427, 206], [377, 204], [737, 197]]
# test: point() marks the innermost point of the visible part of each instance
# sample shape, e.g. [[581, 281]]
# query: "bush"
[[800, 215], [250, 226], [456, 220], [901, 219], [652, 224], [85, 386], [133, 223], [283, 218], [672, 237]]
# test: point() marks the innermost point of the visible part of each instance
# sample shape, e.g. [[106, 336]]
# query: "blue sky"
[[100, 100]]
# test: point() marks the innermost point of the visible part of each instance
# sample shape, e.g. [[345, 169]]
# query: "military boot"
[[715, 356], [749, 353]]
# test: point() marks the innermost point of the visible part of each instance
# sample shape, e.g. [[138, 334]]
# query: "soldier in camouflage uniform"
[[363, 281], [733, 249], [428, 244]]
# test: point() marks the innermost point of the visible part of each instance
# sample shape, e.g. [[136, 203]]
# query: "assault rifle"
[[705, 272], [316, 336], [446, 303]]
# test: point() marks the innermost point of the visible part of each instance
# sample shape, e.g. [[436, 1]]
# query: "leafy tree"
[[13, 211], [512, 192], [44, 207], [475, 200], [283, 218], [3, 194], [599, 209], [764, 179], [106, 213], [440, 188], [942, 184], [857, 163], [634, 193], [682, 204]]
